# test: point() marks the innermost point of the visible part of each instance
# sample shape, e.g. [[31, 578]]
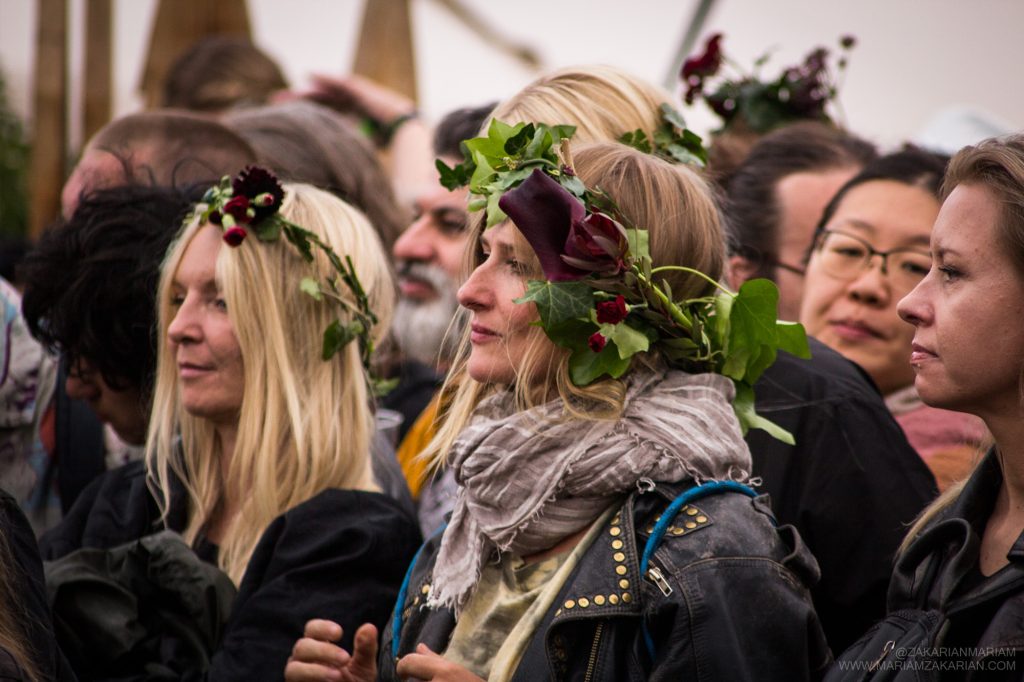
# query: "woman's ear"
[[739, 270]]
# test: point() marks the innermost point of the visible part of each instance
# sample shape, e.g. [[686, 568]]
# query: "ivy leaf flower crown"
[[250, 203], [602, 299]]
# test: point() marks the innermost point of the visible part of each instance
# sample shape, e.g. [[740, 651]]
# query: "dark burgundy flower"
[[597, 342], [597, 244], [215, 217], [238, 208], [612, 312], [706, 64], [234, 236], [254, 181], [544, 212]]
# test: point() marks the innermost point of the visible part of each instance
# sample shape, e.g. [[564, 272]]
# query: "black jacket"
[[851, 485], [945, 620], [340, 555], [734, 602]]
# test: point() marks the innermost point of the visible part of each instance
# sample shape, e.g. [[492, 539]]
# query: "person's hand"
[[426, 665], [316, 657], [359, 95]]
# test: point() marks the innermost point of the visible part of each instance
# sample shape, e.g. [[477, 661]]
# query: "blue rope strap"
[[667, 516], [403, 591]]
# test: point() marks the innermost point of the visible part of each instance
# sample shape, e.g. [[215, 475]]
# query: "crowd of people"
[[285, 399]]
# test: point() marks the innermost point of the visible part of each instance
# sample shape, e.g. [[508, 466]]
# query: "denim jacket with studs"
[[725, 597]]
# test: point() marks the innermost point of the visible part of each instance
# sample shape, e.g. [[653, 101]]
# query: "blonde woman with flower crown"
[[570, 553], [258, 448]]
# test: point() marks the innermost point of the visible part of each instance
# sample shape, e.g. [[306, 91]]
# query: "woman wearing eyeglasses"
[[870, 249]]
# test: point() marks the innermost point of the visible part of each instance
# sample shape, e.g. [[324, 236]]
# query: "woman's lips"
[[190, 371], [920, 354], [481, 334], [854, 330]]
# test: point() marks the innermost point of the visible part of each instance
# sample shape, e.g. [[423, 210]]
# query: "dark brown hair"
[[751, 204]]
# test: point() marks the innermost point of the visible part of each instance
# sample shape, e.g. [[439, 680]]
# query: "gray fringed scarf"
[[529, 479]]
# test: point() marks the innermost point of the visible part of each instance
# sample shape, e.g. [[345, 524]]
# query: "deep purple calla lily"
[[544, 212], [597, 244]]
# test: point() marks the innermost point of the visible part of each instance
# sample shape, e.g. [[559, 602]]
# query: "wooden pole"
[[97, 96], [385, 52], [49, 131]]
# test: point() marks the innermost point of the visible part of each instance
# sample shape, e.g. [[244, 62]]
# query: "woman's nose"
[[872, 285], [183, 326], [475, 293], [913, 307]]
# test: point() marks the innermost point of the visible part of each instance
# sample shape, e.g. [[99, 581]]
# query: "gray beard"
[[429, 332]]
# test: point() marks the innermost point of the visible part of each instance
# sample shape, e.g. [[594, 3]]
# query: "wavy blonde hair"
[[603, 102], [677, 207], [304, 425]]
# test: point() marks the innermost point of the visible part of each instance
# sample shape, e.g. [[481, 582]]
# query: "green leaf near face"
[[494, 213], [752, 327], [559, 302], [586, 366]]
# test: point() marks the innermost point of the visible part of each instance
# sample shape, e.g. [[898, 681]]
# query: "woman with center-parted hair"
[[956, 599], [258, 449], [570, 553]]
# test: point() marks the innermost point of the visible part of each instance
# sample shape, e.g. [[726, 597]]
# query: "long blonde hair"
[[304, 425], [676, 205]]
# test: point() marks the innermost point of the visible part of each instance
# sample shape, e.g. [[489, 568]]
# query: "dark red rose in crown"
[[234, 236], [597, 244], [254, 181], [704, 65], [597, 342], [612, 312], [238, 209]]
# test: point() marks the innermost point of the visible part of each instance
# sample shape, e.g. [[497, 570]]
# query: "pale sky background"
[[916, 59]]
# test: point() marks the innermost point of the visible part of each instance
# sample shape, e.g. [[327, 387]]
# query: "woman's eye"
[[949, 273], [177, 300], [917, 269], [220, 304], [515, 266], [848, 252]]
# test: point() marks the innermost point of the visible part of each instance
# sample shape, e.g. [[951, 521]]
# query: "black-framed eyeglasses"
[[795, 269], [845, 256]]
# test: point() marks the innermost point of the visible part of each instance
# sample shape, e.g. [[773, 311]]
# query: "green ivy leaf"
[[454, 178], [639, 243], [628, 340], [670, 114], [494, 213], [573, 184], [336, 337], [586, 366], [311, 287], [751, 328], [636, 139], [558, 302], [743, 405], [793, 339]]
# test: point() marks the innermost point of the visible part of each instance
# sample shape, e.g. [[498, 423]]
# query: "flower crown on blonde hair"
[[602, 298], [251, 202]]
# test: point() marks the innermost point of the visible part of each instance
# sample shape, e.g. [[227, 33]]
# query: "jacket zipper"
[[889, 646], [592, 663], [654, 573]]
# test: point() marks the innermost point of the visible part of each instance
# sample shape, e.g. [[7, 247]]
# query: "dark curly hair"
[[90, 283]]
